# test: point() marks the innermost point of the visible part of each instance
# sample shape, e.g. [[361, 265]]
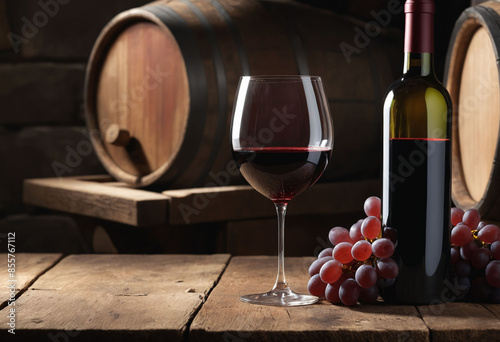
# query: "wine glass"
[[282, 138]]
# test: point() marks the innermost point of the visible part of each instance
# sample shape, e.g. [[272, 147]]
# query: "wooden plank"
[[117, 297], [493, 308], [461, 322], [96, 196], [28, 267], [243, 202], [121, 204], [225, 317]]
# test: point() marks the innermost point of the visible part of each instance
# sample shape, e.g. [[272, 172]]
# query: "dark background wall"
[[44, 47]]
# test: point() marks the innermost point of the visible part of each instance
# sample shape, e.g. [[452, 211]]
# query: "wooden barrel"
[[472, 78], [162, 78]]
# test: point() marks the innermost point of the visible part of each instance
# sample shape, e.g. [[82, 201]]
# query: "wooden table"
[[196, 298]]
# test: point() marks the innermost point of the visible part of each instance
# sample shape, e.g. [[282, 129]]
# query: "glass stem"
[[280, 278]]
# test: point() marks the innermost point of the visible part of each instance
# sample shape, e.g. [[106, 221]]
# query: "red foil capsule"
[[419, 26]]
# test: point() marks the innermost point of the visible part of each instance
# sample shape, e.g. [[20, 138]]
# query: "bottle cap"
[[420, 6]]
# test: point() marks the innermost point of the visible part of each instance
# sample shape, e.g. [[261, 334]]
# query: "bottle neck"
[[418, 64], [419, 37]]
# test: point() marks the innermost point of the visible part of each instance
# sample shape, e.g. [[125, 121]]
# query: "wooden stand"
[[226, 219]]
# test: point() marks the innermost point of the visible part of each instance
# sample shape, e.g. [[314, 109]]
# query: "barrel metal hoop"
[[220, 74], [238, 41], [489, 13]]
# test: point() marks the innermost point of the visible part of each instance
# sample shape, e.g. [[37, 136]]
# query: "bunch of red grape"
[[359, 263], [475, 255]]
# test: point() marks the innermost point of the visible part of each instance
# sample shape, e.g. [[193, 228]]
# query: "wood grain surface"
[[117, 297], [225, 317], [461, 322], [196, 298], [114, 203], [28, 267]]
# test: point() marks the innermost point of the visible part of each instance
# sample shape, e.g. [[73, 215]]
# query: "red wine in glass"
[[281, 173], [282, 138]]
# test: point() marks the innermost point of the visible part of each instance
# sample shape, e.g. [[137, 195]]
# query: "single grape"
[[387, 268], [325, 252], [349, 292], [316, 286], [471, 218], [495, 250], [489, 233], [457, 215], [355, 232], [332, 294], [331, 271], [455, 255], [317, 264], [369, 295], [492, 273], [371, 227], [338, 235], [462, 268], [480, 288], [342, 252], [481, 225], [332, 290], [383, 248], [361, 250], [467, 250], [391, 234], [372, 206], [460, 235], [366, 276], [480, 258]]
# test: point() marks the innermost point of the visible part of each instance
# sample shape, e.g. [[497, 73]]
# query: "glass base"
[[280, 297]]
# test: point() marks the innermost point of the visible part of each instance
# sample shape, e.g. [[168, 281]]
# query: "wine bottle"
[[416, 166]]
